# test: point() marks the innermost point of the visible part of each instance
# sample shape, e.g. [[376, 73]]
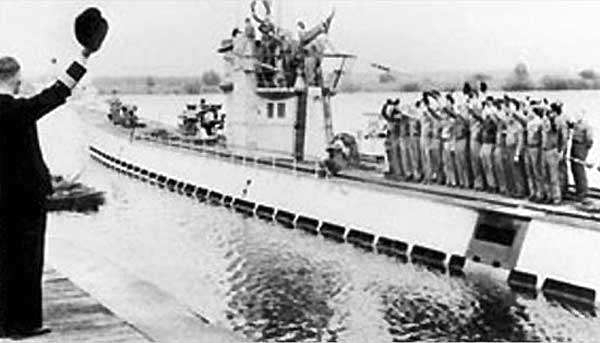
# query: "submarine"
[[269, 166]]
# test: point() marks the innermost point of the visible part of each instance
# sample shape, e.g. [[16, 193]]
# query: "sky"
[[179, 38]]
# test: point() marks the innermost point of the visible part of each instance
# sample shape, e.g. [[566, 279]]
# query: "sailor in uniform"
[[415, 144], [514, 143], [500, 165], [25, 182], [461, 137], [405, 159], [448, 142], [475, 129], [435, 149], [488, 139], [581, 143], [393, 136], [426, 137], [115, 104], [561, 121], [533, 156], [552, 137]]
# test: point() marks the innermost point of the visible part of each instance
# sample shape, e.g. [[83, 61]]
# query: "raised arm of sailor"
[[433, 113], [476, 114], [449, 112], [520, 118], [384, 112]]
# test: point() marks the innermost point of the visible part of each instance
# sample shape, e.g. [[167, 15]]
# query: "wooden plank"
[[74, 316]]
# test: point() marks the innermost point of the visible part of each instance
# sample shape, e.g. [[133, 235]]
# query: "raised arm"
[[433, 114], [475, 114], [29, 110], [449, 112], [384, 112], [90, 31], [521, 118]]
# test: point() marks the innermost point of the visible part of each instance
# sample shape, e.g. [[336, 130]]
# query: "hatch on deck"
[[497, 239]]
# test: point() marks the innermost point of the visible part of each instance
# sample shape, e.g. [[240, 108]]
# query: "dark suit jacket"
[[24, 177]]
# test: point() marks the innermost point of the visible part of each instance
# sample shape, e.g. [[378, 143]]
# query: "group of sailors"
[[280, 57], [122, 114], [202, 120], [515, 147]]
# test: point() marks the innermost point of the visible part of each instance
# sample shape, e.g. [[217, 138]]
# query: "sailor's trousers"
[[515, 171], [487, 161], [462, 165], [415, 157], [476, 166], [500, 168], [448, 161], [550, 162], [580, 152]]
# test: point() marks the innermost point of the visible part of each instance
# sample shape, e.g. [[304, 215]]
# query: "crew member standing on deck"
[[115, 104], [415, 143], [500, 166], [404, 142], [551, 154], [475, 129], [533, 153], [488, 139], [461, 147], [426, 137], [514, 143], [448, 141], [582, 141], [391, 142], [25, 183], [435, 149], [563, 173]]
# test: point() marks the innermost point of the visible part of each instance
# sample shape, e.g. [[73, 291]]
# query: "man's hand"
[[85, 53]]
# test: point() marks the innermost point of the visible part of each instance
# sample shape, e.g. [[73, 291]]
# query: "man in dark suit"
[[25, 183]]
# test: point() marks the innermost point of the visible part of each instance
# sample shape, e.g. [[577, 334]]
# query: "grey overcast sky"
[[180, 37]]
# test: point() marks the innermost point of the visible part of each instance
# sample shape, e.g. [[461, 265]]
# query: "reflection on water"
[[279, 295], [274, 284]]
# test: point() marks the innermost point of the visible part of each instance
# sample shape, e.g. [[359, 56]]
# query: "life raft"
[[73, 196]]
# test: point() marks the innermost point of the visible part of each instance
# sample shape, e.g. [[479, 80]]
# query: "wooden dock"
[[74, 316]]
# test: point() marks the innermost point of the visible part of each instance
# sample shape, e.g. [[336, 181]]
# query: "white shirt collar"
[[5, 90]]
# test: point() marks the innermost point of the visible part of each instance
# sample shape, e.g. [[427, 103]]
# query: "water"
[[273, 284]]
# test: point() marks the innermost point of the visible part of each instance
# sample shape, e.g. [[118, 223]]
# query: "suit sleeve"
[[29, 110]]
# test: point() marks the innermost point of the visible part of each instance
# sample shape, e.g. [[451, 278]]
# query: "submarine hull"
[[535, 255]]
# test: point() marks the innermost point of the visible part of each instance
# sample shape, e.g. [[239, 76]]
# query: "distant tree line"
[[207, 82], [519, 79]]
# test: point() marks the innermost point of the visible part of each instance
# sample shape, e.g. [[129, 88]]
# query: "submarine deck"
[[567, 213]]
